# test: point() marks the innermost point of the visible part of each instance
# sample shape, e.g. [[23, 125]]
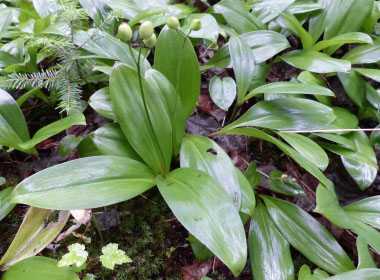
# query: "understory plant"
[[146, 145]]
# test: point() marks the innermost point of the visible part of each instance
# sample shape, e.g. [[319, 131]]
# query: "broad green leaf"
[[309, 78], [107, 46], [112, 256], [85, 183], [348, 17], [39, 268], [303, 6], [95, 9], [107, 140], [339, 139], [13, 128], [266, 10], [209, 30], [364, 54], [100, 101], [222, 92], [286, 114], [284, 185], [176, 59], [53, 129], [344, 119], [373, 97], [366, 210], [256, 133], [248, 200], [150, 132], [354, 85], [365, 257], [46, 7], [238, 17], [304, 273], [264, 44], [33, 235], [346, 38], [359, 274], [308, 236], [243, 64], [200, 251], [316, 62], [77, 255], [220, 231], [310, 150], [252, 175], [2, 181], [5, 205], [290, 88], [204, 154], [348, 153], [373, 74], [291, 23], [363, 174], [68, 144], [269, 251], [174, 106]]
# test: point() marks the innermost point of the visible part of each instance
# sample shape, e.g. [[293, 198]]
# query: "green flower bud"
[[151, 41], [173, 22], [146, 30], [124, 32], [196, 25], [284, 176]]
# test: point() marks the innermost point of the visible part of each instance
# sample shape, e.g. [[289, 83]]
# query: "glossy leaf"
[[176, 59], [286, 114], [365, 257], [308, 236], [256, 133], [53, 129], [366, 210], [359, 274], [106, 46], [39, 268], [364, 54], [373, 74], [238, 17], [150, 132], [204, 154], [309, 78], [5, 205], [243, 63], [248, 199], [33, 235], [174, 106], [209, 30], [316, 62], [68, 144], [303, 6], [269, 251], [310, 150], [222, 92], [346, 38], [45, 7], [107, 140], [13, 129], [100, 101], [354, 86], [252, 175], [290, 88], [95, 9], [264, 44], [344, 119], [291, 23], [284, 185], [267, 10], [193, 196], [364, 174], [109, 179]]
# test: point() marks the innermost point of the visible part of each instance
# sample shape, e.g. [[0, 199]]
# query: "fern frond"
[[46, 78]]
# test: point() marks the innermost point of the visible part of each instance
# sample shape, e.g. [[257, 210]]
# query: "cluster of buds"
[[146, 30]]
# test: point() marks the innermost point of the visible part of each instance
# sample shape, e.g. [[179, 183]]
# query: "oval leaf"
[[308, 236], [85, 183], [222, 92], [316, 62], [100, 101], [221, 231]]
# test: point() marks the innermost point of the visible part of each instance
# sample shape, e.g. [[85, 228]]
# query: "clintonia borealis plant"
[[208, 194]]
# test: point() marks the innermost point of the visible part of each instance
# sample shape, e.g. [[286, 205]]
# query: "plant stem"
[[331, 130]]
